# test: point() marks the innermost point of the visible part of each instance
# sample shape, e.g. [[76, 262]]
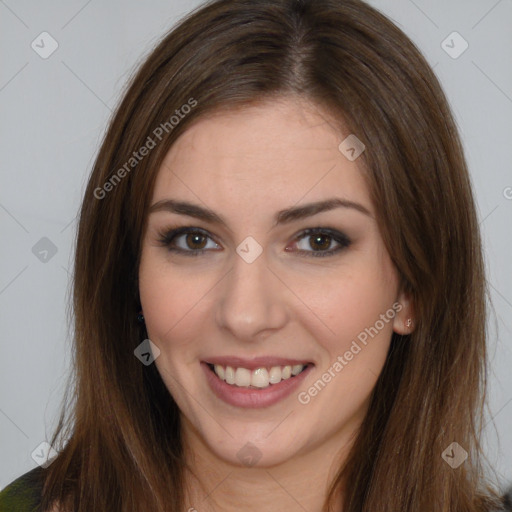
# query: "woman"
[[279, 293]]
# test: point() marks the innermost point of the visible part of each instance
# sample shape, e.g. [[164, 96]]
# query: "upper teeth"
[[260, 377]]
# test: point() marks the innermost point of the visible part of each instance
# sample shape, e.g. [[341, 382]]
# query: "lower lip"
[[252, 398]]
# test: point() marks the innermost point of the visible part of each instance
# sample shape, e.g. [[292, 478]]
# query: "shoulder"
[[24, 493], [507, 499]]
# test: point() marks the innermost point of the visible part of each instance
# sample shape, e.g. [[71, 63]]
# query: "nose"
[[252, 301]]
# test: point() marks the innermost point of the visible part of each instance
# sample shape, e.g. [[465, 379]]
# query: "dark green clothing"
[[24, 493]]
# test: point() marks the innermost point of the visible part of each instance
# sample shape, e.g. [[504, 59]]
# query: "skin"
[[246, 165]]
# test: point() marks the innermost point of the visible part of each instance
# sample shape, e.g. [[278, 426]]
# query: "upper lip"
[[256, 362]]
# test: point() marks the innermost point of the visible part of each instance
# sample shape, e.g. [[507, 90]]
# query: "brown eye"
[[187, 240], [321, 241], [195, 241]]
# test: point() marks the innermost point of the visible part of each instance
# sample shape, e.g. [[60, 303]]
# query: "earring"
[[408, 323], [140, 318]]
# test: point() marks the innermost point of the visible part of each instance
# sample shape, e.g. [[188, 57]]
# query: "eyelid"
[[168, 235], [336, 235]]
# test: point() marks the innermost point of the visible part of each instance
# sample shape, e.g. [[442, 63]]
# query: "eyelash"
[[166, 238]]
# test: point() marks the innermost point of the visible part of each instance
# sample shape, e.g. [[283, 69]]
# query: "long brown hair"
[[119, 441]]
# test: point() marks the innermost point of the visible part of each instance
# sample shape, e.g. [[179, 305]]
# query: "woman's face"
[[244, 287]]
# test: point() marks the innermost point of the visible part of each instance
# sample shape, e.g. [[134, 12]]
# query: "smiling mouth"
[[259, 378]]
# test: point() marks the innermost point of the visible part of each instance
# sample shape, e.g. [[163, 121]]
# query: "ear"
[[404, 321]]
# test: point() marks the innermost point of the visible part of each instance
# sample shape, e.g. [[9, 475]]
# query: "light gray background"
[[53, 114]]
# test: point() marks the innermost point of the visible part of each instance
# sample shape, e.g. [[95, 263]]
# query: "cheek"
[[348, 301], [171, 300], [158, 295], [353, 312]]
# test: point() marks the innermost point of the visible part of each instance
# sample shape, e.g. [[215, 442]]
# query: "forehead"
[[268, 155]]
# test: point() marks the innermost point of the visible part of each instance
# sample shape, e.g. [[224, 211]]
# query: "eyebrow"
[[282, 217]]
